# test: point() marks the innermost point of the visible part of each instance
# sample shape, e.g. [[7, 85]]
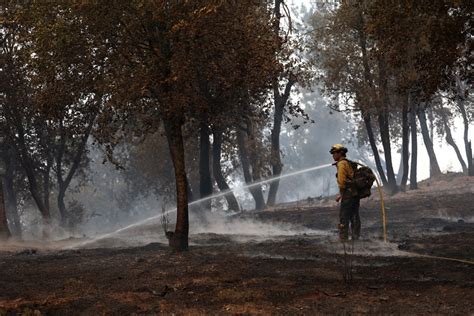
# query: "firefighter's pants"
[[349, 214]]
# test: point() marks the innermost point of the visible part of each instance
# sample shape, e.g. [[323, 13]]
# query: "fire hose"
[[384, 224], [382, 206]]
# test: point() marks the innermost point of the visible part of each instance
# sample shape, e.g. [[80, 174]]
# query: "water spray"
[[223, 193]]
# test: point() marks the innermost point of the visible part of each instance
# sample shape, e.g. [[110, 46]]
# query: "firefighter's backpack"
[[363, 179]]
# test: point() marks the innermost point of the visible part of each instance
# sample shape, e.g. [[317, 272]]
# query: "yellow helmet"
[[338, 148]]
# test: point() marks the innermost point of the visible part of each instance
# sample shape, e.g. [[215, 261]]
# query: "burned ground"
[[299, 271]]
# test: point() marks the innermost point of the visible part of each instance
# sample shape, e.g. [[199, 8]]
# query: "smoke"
[[368, 248], [308, 144], [202, 227], [245, 228], [448, 215]]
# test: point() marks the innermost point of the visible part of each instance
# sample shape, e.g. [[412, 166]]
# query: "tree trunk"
[[255, 190], [280, 102], [33, 183], [452, 143], [47, 183], [373, 145], [434, 167], [10, 195], [4, 231], [35, 193], [62, 206], [255, 163], [64, 183], [399, 173], [467, 142], [370, 82], [414, 150], [40, 195], [405, 145], [217, 171], [205, 182], [385, 128], [189, 189], [179, 239], [385, 137]]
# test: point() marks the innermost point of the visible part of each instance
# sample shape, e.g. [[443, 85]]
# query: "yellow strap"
[[382, 205]]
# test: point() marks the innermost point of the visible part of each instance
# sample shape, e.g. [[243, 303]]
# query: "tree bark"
[[255, 190], [434, 167], [280, 103], [255, 163], [205, 182], [467, 142], [9, 192], [370, 82], [39, 198], [189, 189], [217, 171], [414, 150], [4, 230], [385, 137], [452, 143], [373, 145], [178, 240], [385, 127], [405, 145], [29, 168], [63, 183]]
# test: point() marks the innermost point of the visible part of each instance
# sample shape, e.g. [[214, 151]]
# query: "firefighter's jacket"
[[344, 175]]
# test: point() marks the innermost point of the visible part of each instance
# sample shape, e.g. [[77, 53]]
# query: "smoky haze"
[[105, 199]]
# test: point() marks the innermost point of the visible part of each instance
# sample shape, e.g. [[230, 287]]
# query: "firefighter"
[[350, 202]]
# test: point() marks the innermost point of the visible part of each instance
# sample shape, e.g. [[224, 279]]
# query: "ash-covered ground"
[[285, 260]]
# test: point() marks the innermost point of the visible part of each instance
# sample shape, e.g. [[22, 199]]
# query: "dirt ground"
[[425, 268]]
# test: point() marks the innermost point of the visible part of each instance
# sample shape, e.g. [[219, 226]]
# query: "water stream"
[[220, 194]]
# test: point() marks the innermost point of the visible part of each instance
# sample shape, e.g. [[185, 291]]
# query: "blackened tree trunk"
[[385, 137], [9, 191], [189, 190], [467, 142], [414, 150], [405, 145], [370, 82], [178, 240], [40, 195], [4, 230], [399, 173], [385, 128], [373, 145], [205, 182], [64, 182], [434, 167], [217, 171], [255, 162], [255, 190], [452, 143], [280, 101]]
